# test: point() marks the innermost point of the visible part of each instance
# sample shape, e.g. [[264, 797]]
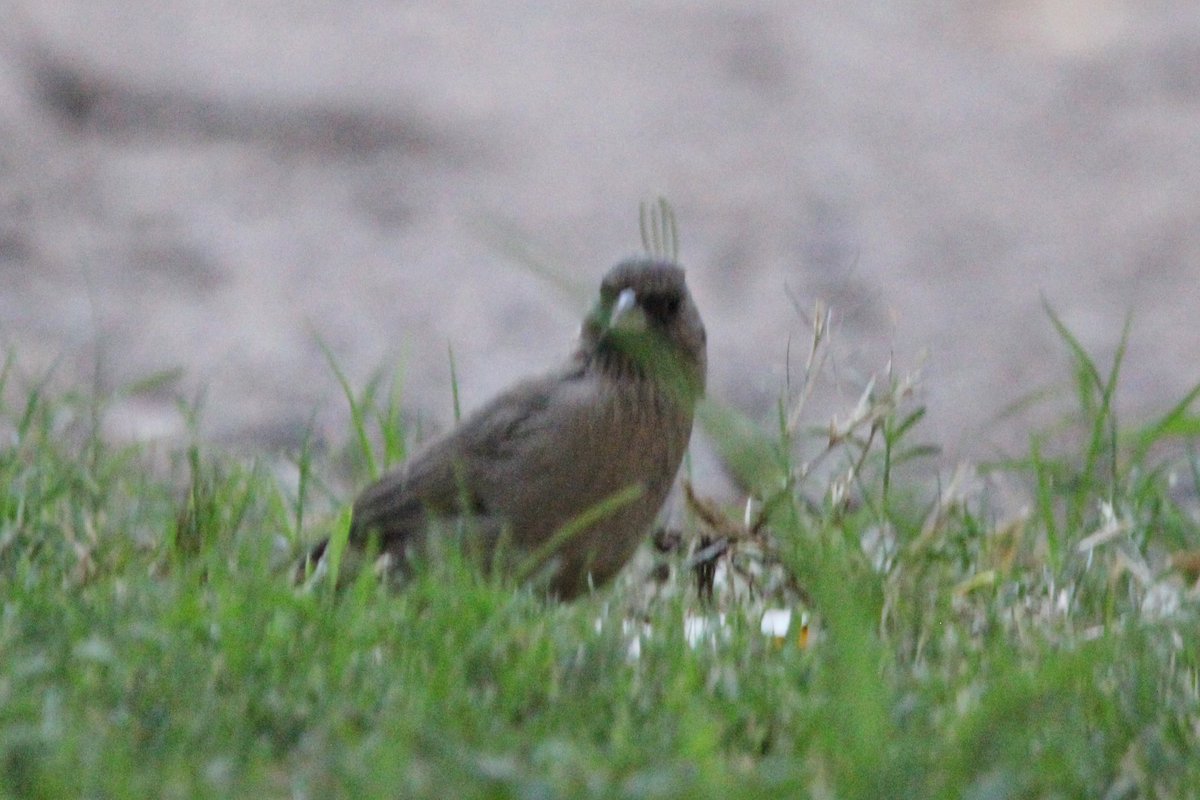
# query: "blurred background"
[[216, 186]]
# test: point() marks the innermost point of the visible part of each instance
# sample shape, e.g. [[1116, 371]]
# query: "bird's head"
[[646, 324]]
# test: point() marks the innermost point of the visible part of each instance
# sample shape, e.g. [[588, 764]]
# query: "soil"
[[220, 187]]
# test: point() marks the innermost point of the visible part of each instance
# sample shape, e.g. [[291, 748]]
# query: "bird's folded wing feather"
[[468, 469]]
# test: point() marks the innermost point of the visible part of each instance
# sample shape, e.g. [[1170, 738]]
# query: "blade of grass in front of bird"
[[357, 417], [746, 450], [395, 446], [154, 382], [1088, 373], [1104, 428], [5, 372], [1099, 416], [303, 481], [337, 546], [893, 432], [1044, 489], [36, 402], [513, 243], [1175, 423], [609, 505], [853, 741]]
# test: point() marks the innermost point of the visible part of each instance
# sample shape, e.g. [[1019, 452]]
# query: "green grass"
[[152, 643]]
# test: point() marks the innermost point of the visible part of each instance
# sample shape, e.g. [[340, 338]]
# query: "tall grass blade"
[[357, 416]]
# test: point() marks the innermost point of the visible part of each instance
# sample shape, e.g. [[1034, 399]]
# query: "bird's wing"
[[465, 470], [552, 450]]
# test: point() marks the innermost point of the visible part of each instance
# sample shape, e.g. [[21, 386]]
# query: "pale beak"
[[625, 313]]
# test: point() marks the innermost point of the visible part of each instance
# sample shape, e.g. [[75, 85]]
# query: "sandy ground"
[[213, 186]]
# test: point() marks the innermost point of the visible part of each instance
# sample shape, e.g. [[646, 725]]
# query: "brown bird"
[[570, 469]]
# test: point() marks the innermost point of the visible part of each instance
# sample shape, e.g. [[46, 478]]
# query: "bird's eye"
[[661, 307]]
